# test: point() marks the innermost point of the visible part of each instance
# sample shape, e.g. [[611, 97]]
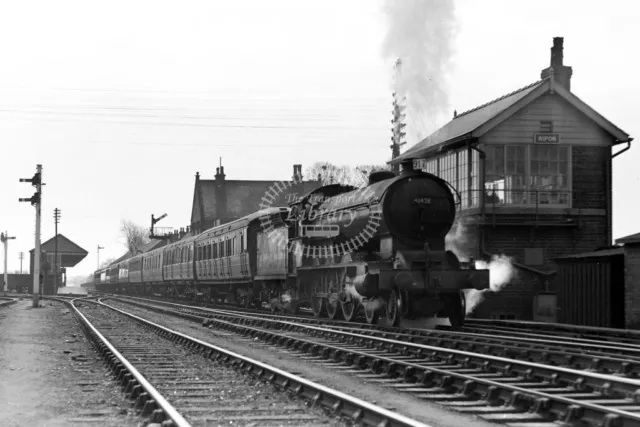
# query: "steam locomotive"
[[376, 252]]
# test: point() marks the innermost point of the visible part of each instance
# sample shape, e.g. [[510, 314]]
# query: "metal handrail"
[[524, 192]]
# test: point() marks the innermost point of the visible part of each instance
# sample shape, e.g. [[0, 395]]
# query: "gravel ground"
[[420, 410], [51, 376]]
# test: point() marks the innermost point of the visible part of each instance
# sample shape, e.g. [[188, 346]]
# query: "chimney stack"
[[297, 173], [561, 73], [221, 195]]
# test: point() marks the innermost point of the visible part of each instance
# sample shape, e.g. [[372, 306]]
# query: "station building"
[[219, 201], [533, 169]]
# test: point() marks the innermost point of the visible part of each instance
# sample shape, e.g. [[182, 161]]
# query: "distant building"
[[533, 169], [218, 201], [69, 255], [19, 282]]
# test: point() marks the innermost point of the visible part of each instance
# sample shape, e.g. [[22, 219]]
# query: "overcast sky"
[[122, 102]]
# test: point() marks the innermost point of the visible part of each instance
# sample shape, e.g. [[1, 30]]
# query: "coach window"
[[241, 242], [221, 248]]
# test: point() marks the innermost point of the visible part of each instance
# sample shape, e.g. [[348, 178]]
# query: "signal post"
[[36, 200], [4, 237]]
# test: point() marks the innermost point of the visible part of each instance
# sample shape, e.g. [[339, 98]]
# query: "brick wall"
[[632, 285], [511, 238], [589, 173]]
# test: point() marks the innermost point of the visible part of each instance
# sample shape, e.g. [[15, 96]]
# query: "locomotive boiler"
[[380, 250]]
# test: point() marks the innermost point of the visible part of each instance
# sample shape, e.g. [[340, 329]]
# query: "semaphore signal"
[[36, 200]]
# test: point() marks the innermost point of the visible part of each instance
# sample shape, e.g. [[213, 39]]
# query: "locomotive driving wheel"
[[348, 303], [317, 305], [334, 311], [456, 310], [371, 312], [349, 308], [394, 308]]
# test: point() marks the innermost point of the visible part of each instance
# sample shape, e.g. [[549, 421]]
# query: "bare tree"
[[332, 174], [106, 263], [325, 171], [135, 236]]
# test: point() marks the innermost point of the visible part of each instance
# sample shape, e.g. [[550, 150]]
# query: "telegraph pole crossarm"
[[4, 237]]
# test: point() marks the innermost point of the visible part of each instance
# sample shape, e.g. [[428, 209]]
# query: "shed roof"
[[632, 238], [65, 245], [595, 254], [478, 121], [70, 253]]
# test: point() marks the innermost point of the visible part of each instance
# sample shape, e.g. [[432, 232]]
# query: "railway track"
[[7, 301], [576, 353], [618, 336], [501, 389], [197, 383], [579, 353]]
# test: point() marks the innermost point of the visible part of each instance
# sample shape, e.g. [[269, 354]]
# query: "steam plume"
[[420, 35], [501, 269], [501, 273]]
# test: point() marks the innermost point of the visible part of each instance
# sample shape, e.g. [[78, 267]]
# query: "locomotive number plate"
[[422, 200]]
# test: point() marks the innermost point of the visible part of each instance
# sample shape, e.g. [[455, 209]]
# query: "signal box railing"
[[532, 200]]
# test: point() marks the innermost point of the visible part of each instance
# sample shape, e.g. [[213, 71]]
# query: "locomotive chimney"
[[407, 167], [561, 73]]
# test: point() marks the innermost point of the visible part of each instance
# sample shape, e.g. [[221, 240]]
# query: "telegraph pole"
[[36, 200], [56, 219], [21, 256], [98, 262], [397, 137], [4, 237]]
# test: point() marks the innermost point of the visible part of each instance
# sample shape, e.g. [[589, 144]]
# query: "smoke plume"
[[420, 35]]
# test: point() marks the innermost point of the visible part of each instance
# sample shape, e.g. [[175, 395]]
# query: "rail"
[[5, 302], [578, 396], [117, 358], [558, 327], [358, 410]]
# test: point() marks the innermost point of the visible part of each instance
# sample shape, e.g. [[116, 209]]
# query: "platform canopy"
[[69, 253]]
